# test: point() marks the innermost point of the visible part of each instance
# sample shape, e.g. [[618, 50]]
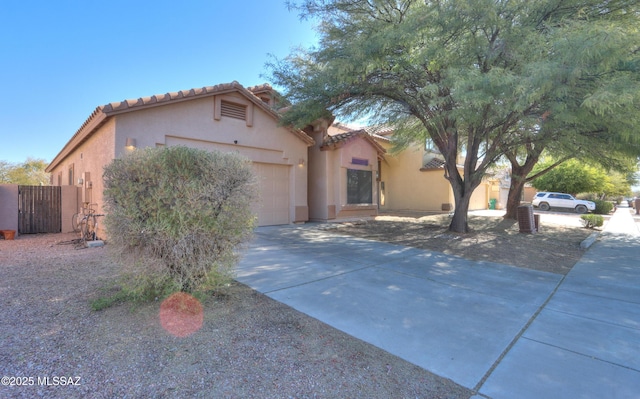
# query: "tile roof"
[[100, 115], [381, 130], [435, 163], [335, 141], [159, 99]]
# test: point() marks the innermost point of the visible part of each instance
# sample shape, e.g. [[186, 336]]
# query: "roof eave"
[[94, 121], [101, 113]]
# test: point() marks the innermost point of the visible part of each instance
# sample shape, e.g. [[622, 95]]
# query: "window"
[[429, 145], [71, 175], [359, 187]]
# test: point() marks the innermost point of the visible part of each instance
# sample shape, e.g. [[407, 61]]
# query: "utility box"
[[526, 220]]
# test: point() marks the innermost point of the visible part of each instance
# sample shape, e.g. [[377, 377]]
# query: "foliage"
[[571, 177], [28, 173], [468, 75], [618, 184], [577, 177], [176, 216], [602, 207], [592, 221]]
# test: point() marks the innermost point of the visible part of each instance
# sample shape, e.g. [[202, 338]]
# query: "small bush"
[[602, 207], [176, 216], [592, 221]]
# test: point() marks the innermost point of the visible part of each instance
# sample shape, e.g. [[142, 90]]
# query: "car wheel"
[[544, 206], [581, 209]]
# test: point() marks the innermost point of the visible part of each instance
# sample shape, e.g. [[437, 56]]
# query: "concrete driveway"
[[503, 331]]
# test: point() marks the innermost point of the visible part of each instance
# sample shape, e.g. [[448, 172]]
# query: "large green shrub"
[[177, 214], [592, 221], [602, 207]]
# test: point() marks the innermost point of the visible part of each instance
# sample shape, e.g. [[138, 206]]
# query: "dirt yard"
[[555, 249], [248, 346]]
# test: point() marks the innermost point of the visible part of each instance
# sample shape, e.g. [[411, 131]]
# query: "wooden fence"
[[39, 209]]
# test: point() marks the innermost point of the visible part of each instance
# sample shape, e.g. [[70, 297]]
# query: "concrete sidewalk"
[[500, 330], [585, 343]]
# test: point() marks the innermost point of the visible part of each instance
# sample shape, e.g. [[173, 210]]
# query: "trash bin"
[[637, 206], [492, 203]]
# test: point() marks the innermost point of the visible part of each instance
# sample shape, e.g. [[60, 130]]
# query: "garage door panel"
[[273, 206]]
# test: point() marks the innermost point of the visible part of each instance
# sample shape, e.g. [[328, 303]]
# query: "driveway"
[[502, 331]]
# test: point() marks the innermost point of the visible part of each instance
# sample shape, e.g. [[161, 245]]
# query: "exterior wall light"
[[131, 143], [301, 162]]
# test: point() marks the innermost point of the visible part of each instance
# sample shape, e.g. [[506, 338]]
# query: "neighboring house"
[[226, 117], [499, 185]]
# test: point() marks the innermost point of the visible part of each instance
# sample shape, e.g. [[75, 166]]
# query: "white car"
[[546, 201]]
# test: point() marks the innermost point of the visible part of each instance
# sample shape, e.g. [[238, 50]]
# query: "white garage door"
[[273, 207]]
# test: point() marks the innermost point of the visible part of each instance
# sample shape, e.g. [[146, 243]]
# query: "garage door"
[[273, 207]]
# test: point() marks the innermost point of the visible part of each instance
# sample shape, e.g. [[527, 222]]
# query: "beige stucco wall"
[[529, 193], [318, 184], [328, 178], [406, 187], [480, 197], [342, 161], [88, 162], [71, 202], [192, 123], [9, 207]]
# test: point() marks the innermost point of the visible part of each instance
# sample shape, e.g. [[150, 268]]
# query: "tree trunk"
[[460, 221], [513, 199], [519, 175], [462, 191]]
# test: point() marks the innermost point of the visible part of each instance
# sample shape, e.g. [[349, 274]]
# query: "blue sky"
[[59, 60]]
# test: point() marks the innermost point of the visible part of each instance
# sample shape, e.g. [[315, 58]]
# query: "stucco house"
[[225, 117], [500, 182], [303, 174], [326, 171], [343, 172], [413, 179]]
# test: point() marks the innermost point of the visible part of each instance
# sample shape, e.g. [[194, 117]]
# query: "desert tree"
[[28, 173], [598, 63], [465, 74]]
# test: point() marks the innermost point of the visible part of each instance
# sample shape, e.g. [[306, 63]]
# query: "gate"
[[39, 209]]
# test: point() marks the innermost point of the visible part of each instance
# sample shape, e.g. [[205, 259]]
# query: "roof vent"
[[232, 110]]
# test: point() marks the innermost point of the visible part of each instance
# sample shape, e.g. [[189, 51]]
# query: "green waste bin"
[[492, 203]]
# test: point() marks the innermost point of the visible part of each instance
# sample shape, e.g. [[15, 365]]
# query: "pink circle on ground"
[[181, 314]]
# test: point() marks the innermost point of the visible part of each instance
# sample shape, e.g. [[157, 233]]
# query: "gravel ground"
[[53, 345]]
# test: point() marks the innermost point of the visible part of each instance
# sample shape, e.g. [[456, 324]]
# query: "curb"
[[587, 242]]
